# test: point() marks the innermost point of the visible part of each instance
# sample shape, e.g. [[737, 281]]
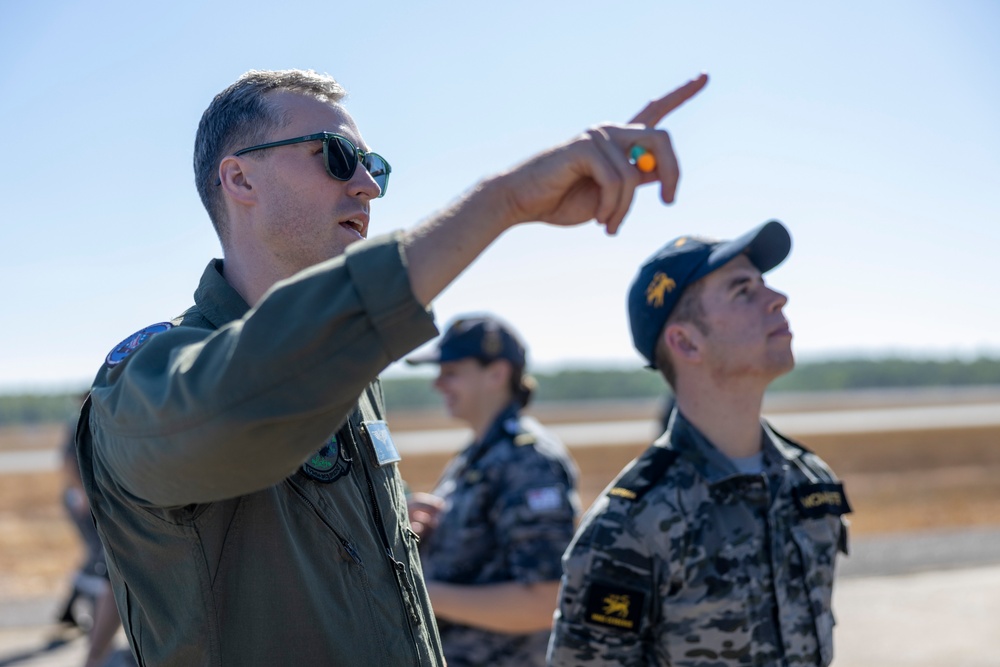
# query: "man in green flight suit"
[[238, 467]]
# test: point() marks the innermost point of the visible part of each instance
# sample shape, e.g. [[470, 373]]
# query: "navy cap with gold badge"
[[482, 337], [661, 280]]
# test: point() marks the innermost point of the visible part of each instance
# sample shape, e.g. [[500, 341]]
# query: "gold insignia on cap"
[[492, 345], [658, 287], [681, 241]]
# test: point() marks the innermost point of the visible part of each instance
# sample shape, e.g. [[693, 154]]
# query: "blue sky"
[[870, 129]]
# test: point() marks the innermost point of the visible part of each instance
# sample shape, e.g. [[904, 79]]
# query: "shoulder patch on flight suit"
[[644, 474], [821, 499], [614, 606], [328, 464], [133, 342]]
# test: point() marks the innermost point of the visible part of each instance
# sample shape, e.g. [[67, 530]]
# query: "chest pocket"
[[722, 571]]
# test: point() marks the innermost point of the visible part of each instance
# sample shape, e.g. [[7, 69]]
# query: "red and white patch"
[[545, 499]]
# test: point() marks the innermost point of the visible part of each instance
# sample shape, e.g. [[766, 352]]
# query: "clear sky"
[[870, 128]]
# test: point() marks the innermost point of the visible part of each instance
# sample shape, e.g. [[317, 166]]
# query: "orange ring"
[[646, 163], [643, 160]]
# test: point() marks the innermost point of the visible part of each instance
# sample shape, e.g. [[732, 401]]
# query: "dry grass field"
[[900, 481], [895, 482]]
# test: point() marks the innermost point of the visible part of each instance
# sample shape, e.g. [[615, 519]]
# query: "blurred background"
[[869, 130]]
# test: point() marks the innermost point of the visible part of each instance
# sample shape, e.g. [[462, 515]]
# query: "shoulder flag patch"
[[134, 342], [544, 499]]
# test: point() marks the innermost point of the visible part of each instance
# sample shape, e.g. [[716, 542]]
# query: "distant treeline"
[[889, 373], [37, 408], [577, 384], [565, 385], [574, 385]]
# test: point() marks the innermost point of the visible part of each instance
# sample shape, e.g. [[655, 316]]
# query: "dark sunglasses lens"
[[379, 169], [342, 158]]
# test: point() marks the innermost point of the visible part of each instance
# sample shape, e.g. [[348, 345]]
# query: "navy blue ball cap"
[[482, 337], [662, 278]]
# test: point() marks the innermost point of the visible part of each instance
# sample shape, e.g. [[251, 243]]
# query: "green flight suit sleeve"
[[196, 415]]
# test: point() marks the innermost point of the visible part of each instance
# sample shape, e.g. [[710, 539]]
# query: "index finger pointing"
[[656, 110]]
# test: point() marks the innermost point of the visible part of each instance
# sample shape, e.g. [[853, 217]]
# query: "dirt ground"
[[901, 481]]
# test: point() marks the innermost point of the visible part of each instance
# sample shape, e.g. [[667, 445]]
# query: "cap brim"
[[766, 246], [431, 357]]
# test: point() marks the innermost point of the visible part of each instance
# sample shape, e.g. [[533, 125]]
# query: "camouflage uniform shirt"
[[509, 510], [685, 561]]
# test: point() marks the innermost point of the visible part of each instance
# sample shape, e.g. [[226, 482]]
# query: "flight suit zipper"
[[348, 547], [406, 593]]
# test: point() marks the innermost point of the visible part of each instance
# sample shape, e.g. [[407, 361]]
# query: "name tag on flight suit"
[[380, 440]]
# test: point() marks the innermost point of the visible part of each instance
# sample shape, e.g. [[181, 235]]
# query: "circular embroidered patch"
[[133, 342], [328, 464]]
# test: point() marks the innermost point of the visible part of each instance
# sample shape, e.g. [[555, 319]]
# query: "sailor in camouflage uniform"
[[716, 547], [502, 514]]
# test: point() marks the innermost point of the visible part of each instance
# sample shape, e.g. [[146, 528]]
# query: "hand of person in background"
[[423, 509]]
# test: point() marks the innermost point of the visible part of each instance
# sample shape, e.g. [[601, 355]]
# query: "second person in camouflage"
[[502, 514], [716, 547]]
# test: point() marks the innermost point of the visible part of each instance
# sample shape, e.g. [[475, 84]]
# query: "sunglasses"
[[341, 158]]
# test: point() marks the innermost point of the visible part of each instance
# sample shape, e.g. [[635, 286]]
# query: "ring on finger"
[[643, 160]]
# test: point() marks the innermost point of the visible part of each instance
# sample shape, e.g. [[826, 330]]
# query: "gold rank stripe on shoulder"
[[644, 474], [524, 439]]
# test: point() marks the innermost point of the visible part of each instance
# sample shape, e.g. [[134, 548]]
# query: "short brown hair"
[[242, 116]]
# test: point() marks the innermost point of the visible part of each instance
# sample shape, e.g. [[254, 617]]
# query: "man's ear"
[[237, 180], [682, 340]]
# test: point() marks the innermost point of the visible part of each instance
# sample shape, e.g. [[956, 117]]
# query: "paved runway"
[[915, 600], [799, 423], [946, 618]]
